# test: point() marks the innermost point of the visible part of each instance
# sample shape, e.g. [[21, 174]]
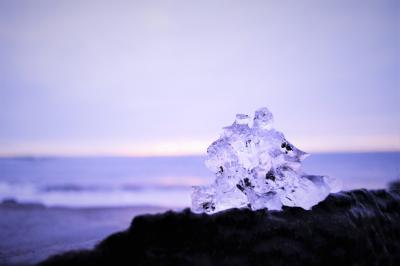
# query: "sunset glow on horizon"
[[194, 148]]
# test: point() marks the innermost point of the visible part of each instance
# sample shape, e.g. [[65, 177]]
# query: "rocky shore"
[[358, 227]]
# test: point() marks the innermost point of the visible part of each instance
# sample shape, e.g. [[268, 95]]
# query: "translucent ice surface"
[[256, 167]]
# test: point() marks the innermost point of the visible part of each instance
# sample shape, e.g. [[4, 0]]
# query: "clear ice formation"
[[256, 167]]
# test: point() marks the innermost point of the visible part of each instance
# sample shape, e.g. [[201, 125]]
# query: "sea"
[[159, 181]]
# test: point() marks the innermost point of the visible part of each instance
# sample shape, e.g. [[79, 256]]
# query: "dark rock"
[[394, 186], [349, 228], [14, 204]]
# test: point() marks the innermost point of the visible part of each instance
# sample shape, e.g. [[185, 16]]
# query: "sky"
[[163, 77]]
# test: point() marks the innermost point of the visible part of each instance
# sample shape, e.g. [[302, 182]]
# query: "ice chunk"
[[256, 167], [263, 118]]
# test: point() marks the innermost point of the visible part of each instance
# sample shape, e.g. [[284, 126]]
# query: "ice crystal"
[[256, 167]]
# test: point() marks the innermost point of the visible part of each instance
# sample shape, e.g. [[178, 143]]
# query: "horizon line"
[[189, 147], [152, 155]]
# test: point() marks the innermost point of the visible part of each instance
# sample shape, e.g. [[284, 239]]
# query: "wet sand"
[[30, 233]]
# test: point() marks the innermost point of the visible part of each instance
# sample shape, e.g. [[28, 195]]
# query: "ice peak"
[[242, 119], [263, 118]]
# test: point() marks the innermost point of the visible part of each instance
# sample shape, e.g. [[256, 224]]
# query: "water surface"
[[163, 181]]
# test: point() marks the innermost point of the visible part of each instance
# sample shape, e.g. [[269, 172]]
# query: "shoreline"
[[359, 227], [31, 232]]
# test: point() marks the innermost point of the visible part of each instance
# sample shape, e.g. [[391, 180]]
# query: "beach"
[[53, 205], [199, 133], [358, 227], [30, 233]]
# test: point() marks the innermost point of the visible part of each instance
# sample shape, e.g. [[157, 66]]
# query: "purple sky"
[[163, 77]]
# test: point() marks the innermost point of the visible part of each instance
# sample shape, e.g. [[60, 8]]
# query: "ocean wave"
[[92, 195], [123, 187]]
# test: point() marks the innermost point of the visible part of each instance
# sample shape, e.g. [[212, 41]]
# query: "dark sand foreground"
[[359, 227], [30, 233]]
